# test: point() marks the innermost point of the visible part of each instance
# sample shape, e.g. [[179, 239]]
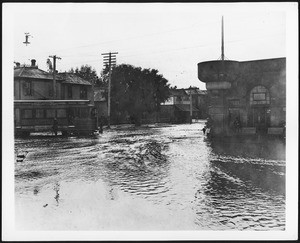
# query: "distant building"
[[252, 92], [199, 98], [177, 108]]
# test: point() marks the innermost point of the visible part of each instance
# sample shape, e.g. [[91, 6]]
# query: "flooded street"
[[164, 177]]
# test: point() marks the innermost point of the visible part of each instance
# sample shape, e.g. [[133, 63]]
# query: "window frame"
[[83, 92], [27, 88]]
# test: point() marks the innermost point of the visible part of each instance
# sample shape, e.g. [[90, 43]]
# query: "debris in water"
[[21, 156]]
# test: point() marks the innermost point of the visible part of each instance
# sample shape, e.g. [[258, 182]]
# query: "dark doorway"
[[260, 119]]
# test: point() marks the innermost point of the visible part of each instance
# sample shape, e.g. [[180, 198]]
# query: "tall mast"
[[222, 47]]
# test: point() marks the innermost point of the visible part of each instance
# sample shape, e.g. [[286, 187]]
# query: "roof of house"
[[178, 92], [71, 78], [185, 92], [195, 91], [201, 92], [32, 72]]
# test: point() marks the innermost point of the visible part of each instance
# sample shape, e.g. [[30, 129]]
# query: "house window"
[[39, 113], [83, 92], [27, 114], [84, 113], [186, 98], [70, 94], [50, 113], [27, 88], [234, 102], [259, 95], [50, 90], [15, 89], [61, 113]]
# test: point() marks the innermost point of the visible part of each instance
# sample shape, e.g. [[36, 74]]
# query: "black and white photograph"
[[150, 121]]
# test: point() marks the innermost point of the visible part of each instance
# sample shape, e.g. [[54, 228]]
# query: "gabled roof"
[[33, 72], [71, 78], [184, 107], [177, 92], [199, 92], [185, 92]]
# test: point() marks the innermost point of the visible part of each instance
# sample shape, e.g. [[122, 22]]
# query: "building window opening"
[[233, 102], [50, 113], [61, 113], [50, 90], [39, 113], [28, 91], [259, 95], [27, 114], [70, 94], [83, 92]]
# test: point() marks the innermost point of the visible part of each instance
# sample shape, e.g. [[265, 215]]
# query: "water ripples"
[[174, 167]]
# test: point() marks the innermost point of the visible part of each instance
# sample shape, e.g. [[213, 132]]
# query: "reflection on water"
[[163, 177], [256, 147]]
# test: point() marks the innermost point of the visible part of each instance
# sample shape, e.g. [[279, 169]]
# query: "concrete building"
[[252, 92]]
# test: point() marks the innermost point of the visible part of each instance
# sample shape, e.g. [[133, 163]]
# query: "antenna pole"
[[222, 47]]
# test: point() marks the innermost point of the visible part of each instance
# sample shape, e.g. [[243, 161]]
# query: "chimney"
[[33, 62]]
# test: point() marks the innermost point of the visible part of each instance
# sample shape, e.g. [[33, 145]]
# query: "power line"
[[137, 37], [142, 36], [195, 24], [197, 46], [171, 50]]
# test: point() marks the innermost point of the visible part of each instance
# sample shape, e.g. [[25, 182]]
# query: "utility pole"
[[191, 107], [223, 73], [191, 104], [222, 45], [109, 59], [93, 92], [54, 74]]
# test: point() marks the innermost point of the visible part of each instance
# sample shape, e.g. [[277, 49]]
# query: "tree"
[[136, 91], [88, 73]]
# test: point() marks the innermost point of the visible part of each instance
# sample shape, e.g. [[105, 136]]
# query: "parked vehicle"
[[71, 117]]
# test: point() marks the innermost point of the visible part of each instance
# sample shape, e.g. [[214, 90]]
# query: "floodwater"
[[164, 177]]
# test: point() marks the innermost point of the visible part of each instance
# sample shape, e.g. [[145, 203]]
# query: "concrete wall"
[[258, 76]]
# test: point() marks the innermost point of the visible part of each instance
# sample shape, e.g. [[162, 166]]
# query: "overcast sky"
[[169, 37]]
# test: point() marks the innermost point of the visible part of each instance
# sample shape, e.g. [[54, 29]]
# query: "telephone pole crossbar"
[[109, 59]]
